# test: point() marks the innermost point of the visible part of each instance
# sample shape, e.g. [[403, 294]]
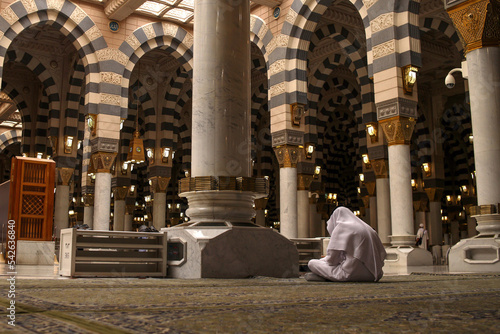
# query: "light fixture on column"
[[68, 144], [132, 190], [91, 123], [426, 168], [366, 161], [39, 155], [372, 129], [150, 153], [362, 178], [165, 154], [124, 168], [317, 172], [409, 78], [147, 198], [309, 150], [297, 110], [464, 190], [136, 148], [413, 184], [471, 139]]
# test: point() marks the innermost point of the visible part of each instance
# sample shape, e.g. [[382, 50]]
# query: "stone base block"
[[229, 252], [478, 254], [407, 256], [35, 252]]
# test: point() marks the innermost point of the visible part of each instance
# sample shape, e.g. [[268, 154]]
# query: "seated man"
[[355, 252]]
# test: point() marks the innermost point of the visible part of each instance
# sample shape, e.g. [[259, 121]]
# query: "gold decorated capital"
[[261, 203], [304, 181], [421, 205], [370, 187], [129, 209], [287, 155], [478, 23], [398, 130], [434, 194], [88, 199], [159, 184], [103, 161], [64, 175], [380, 168], [120, 193]]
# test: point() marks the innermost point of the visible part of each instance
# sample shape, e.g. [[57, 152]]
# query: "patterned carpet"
[[418, 303]]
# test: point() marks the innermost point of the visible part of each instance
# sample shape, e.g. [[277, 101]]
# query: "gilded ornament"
[[287, 156], [64, 175], [398, 130], [380, 168]]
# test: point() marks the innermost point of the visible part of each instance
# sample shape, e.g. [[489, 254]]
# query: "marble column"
[[419, 219], [119, 195], [260, 209], [435, 226], [102, 189], [288, 202], [62, 200], [128, 221], [455, 231], [383, 201], [221, 119], [303, 183], [314, 221], [159, 186], [471, 227], [88, 210], [398, 131]]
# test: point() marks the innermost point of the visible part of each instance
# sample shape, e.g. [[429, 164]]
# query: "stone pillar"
[[471, 227], [398, 131], [478, 24], [159, 187], [383, 200], [119, 195], [435, 226], [303, 183], [62, 201], [128, 221], [260, 209], [287, 158], [88, 210], [103, 162], [455, 231], [314, 217], [221, 146]]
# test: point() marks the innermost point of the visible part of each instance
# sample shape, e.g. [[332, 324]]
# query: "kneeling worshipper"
[[355, 252]]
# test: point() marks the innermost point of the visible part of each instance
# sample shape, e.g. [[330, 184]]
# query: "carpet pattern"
[[418, 303]]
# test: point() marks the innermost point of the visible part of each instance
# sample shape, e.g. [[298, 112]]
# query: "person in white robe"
[[422, 234], [354, 253]]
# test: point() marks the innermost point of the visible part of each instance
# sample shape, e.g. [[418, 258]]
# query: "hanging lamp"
[[136, 148]]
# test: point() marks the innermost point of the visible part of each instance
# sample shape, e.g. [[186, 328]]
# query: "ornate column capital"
[[304, 181], [287, 155], [478, 23], [380, 168], [434, 194], [398, 130], [159, 184], [129, 209], [261, 203], [64, 175], [103, 161], [88, 199], [370, 187], [120, 193]]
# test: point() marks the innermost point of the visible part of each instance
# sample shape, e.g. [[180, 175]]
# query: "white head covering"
[[357, 239]]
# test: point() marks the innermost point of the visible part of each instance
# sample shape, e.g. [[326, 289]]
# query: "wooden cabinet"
[[85, 253]]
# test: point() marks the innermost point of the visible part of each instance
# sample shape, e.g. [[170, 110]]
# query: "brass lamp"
[[309, 150], [136, 149], [426, 168], [409, 78], [372, 129]]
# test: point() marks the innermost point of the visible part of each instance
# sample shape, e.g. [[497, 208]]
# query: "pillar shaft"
[[102, 199], [303, 213], [260, 218], [88, 216], [373, 212], [128, 222], [435, 226], [61, 208], [383, 210], [119, 215], [288, 202], [159, 210]]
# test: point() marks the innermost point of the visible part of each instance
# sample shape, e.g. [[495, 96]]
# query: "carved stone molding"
[[64, 175], [159, 184], [104, 145], [287, 137], [287, 155], [434, 194], [103, 161], [478, 23], [396, 107], [88, 199], [370, 187], [398, 130], [380, 168], [120, 193], [304, 181]]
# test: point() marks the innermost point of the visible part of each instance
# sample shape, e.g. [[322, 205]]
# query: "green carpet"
[[419, 303]]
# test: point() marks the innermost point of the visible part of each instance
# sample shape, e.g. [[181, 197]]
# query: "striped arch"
[[42, 124], [431, 23], [168, 112], [28, 136], [49, 85], [423, 141], [165, 36], [70, 20], [261, 36], [10, 137], [261, 137], [74, 112], [184, 128]]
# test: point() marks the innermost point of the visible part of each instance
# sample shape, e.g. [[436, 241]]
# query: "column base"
[[407, 256], [480, 253], [229, 252], [402, 240], [35, 252]]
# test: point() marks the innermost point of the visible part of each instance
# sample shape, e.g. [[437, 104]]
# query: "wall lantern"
[[132, 190], [317, 172], [39, 155], [309, 149], [91, 123], [136, 149], [68, 144], [366, 161], [413, 184], [372, 129], [150, 153], [147, 198], [426, 168], [124, 168], [297, 110], [165, 154], [409, 78]]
